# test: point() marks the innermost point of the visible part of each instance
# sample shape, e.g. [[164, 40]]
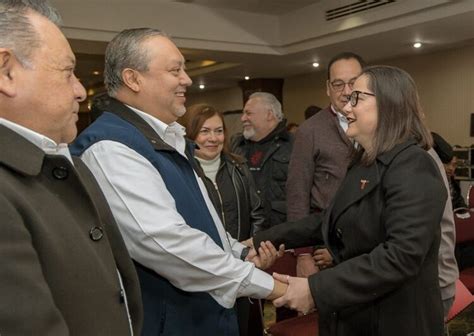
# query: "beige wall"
[[445, 82], [223, 100]]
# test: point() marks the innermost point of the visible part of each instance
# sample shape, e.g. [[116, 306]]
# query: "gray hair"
[[16, 31], [271, 101], [124, 51]]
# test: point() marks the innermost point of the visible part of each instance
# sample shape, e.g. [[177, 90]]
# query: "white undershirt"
[[39, 140], [210, 167]]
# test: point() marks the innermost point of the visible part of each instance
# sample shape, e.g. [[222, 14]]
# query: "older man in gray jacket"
[[65, 269]]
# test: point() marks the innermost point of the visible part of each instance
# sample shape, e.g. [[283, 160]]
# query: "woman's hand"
[[266, 256]]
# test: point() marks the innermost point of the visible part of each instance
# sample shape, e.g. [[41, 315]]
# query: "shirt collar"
[[161, 128], [43, 142]]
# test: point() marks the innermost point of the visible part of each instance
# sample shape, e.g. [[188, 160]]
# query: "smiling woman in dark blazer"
[[382, 228]]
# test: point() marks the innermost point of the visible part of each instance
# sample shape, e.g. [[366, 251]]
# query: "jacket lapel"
[[20, 154], [359, 182]]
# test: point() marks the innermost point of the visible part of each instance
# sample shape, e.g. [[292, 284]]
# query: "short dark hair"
[[125, 51], [346, 55], [400, 116]]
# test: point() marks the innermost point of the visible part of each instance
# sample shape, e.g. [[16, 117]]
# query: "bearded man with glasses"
[[320, 156]]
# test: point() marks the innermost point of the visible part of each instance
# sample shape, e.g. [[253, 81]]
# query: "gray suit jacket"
[[59, 249], [384, 235]]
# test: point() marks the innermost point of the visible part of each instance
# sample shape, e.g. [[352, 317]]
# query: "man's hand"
[[322, 258], [305, 266], [297, 296], [267, 255]]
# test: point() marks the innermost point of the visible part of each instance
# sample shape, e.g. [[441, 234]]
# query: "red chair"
[[463, 299], [470, 197], [465, 235], [296, 326]]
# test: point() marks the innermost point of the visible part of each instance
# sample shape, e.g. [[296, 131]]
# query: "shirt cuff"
[[258, 284]]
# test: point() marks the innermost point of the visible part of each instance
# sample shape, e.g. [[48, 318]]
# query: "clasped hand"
[[298, 295]]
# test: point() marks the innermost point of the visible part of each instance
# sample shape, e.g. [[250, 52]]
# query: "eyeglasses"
[[354, 97], [339, 85]]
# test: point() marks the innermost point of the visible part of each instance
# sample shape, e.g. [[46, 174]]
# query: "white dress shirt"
[[155, 233], [39, 140], [341, 118]]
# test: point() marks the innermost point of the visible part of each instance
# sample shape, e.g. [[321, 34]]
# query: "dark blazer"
[[270, 177], [384, 236], [59, 249]]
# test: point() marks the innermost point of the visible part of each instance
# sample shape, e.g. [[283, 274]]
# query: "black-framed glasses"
[[339, 85], [354, 97]]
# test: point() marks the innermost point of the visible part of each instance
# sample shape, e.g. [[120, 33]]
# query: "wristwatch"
[[244, 253]]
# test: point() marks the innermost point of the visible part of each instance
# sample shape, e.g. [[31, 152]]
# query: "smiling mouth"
[[350, 120]]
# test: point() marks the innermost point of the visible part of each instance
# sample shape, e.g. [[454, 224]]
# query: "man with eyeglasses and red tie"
[[321, 155]]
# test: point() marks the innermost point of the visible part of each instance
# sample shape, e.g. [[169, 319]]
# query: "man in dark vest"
[[65, 268], [190, 269]]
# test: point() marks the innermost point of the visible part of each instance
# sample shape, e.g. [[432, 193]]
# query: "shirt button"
[[60, 173], [96, 233], [122, 296], [258, 191]]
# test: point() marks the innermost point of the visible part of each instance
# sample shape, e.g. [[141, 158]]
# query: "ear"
[[270, 115], [8, 66], [327, 87], [131, 79]]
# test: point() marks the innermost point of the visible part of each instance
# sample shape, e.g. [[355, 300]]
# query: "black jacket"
[[235, 199], [270, 177], [383, 231]]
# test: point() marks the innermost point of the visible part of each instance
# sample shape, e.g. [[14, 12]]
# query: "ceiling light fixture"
[[96, 73], [246, 77], [315, 64], [417, 45], [202, 86]]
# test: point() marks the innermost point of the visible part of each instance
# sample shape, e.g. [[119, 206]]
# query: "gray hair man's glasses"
[[339, 85], [354, 97]]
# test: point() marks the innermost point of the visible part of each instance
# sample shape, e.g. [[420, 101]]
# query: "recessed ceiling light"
[[417, 45], [202, 86], [96, 73], [246, 77], [315, 64]]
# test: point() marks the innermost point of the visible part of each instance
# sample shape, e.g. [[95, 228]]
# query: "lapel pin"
[[363, 183]]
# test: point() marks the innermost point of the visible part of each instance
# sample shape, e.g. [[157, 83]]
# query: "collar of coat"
[[19, 154], [387, 157], [372, 176], [121, 110]]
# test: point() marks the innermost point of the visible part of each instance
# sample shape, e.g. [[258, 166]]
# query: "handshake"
[[291, 292]]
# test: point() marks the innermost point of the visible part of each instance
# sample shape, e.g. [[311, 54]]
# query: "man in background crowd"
[[321, 155]]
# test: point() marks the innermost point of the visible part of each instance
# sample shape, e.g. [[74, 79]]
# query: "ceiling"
[[266, 38]]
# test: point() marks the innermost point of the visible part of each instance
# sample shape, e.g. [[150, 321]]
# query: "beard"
[[248, 133]]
